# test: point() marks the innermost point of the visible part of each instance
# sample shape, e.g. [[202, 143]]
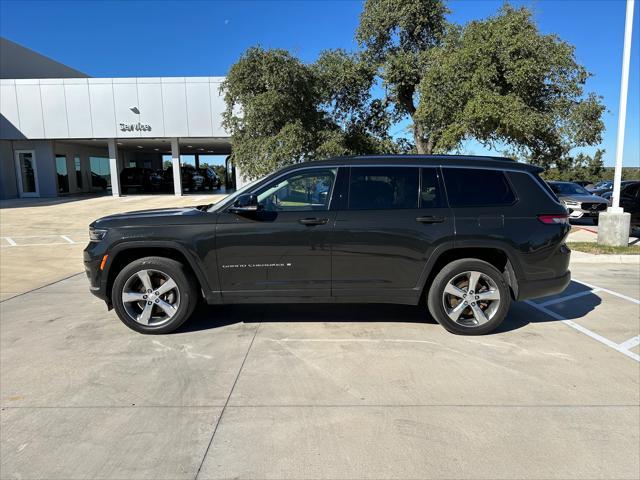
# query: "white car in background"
[[580, 203]]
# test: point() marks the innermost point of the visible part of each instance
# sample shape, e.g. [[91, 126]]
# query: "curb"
[[583, 257]]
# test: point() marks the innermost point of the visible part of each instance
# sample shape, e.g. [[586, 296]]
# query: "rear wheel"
[[154, 295], [469, 297]]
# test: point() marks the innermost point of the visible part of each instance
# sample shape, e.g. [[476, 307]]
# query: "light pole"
[[614, 224]]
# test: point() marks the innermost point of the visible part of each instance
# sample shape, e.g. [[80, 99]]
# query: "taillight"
[[554, 218]]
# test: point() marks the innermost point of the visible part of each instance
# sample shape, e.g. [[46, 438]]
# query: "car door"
[[392, 221], [630, 201], [283, 249]]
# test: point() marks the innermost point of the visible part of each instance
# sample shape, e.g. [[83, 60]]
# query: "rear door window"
[[431, 195], [383, 188], [475, 187]]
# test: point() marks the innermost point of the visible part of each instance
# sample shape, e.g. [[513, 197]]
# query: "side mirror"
[[245, 203]]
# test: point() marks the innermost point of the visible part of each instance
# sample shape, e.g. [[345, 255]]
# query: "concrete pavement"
[[319, 391], [50, 243]]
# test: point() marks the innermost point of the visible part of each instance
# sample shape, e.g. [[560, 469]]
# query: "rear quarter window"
[[475, 187]]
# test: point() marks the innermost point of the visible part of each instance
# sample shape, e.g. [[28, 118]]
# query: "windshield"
[[568, 189]]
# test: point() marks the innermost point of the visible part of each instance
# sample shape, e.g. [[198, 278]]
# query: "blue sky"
[[166, 38]]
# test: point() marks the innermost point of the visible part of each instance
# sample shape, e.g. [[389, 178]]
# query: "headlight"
[[571, 203], [95, 234]]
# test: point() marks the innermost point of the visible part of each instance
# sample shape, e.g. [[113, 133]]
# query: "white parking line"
[[623, 347], [631, 343], [568, 297], [24, 240], [610, 292]]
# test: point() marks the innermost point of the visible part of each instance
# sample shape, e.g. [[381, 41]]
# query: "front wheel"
[[154, 295], [469, 297]]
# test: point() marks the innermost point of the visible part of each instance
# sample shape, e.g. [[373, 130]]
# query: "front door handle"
[[313, 221], [430, 219]]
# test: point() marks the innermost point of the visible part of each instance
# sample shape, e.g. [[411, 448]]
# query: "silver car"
[[579, 202]]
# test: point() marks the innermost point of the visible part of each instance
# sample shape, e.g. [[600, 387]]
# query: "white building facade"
[[72, 135]]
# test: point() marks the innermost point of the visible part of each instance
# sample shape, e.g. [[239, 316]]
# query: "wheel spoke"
[[455, 312], [143, 275], [478, 314], [169, 309], [488, 295], [131, 296], [451, 289], [473, 281], [166, 286], [145, 316]]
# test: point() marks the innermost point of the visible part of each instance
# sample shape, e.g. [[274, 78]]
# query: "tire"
[[146, 312], [491, 283]]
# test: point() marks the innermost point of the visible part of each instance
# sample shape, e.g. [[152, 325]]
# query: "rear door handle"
[[313, 221], [430, 219]]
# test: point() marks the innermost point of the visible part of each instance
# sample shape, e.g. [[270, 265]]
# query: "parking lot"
[[306, 391]]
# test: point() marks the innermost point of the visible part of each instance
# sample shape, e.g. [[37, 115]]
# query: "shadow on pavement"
[[520, 315]]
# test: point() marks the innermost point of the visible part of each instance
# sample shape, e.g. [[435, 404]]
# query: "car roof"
[[431, 160]]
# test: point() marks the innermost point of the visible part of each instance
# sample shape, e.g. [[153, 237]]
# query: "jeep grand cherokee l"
[[465, 234]]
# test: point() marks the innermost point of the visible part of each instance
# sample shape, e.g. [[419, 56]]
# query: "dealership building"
[[63, 132]]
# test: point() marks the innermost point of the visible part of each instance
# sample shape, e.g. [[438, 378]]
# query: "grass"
[[592, 247]]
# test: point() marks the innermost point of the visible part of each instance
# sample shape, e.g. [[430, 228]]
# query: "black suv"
[[465, 234]]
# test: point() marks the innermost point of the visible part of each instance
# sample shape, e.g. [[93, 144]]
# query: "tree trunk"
[[423, 145]]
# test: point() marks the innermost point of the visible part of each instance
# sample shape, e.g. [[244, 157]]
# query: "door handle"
[[430, 219], [313, 221]]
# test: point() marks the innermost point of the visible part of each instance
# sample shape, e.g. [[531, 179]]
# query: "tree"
[[581, 167], [280, 111], [500, 81], [396, 37]]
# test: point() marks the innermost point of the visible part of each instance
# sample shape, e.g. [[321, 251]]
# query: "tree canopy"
[[497, 80]]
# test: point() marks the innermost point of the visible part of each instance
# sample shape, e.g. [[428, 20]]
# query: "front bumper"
[[92, 257], [580, 212]]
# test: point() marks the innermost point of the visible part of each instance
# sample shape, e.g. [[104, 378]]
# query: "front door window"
[[300, 192]]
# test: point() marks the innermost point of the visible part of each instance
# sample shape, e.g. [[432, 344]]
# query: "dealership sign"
[[135, 127]]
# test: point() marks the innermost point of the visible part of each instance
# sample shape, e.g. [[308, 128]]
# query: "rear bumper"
[[543, 288]]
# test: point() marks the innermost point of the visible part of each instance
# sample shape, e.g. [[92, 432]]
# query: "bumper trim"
[[543, 288]]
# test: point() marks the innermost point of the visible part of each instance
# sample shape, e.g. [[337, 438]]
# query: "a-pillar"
[[113, 167], [175, 160]]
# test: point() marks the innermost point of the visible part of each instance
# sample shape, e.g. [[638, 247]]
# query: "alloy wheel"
[[471, 298], [151, 297]]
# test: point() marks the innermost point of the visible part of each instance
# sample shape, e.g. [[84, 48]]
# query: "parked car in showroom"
[[462, 235], [136, 178], [186, 176], [579, 201], [98, 181], [211, 179]]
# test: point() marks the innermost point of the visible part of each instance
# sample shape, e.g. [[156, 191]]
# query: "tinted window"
[[430, 191], [477, 187], [302, 191], [383, 188]]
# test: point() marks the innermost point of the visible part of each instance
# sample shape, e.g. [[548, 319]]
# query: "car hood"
[[159, 216], [582, 198]]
